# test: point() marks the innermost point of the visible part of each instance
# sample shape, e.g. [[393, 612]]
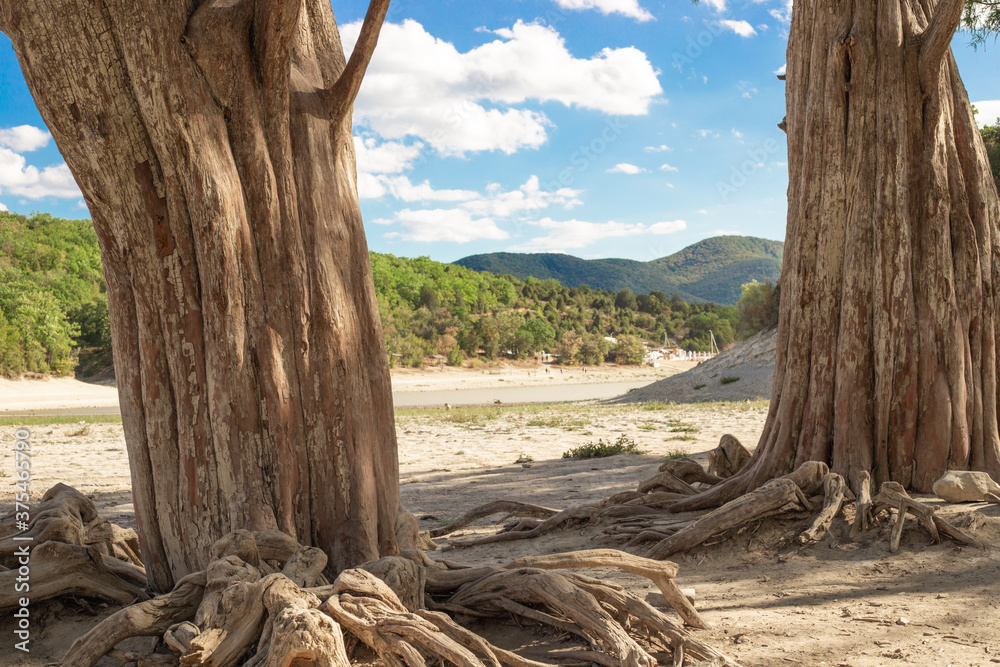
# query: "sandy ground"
[[509, 382], [771, 601]]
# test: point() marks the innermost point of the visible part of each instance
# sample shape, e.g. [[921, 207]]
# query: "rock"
[[689, 593], [902, 620], [962, 486]]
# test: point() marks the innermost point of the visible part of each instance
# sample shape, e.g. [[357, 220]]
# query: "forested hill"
[[54, 309], [710, 270]]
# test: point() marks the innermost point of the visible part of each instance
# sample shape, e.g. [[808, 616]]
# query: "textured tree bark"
[[887, 347], [212, 143]]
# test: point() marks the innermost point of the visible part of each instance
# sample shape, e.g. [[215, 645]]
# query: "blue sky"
[[601, 128]]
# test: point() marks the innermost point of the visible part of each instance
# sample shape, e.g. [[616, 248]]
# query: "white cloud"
[[781, 70], [628, 8], [19, 178], [704, 134], [662, 148], [747, 89], [450, 225], [529, 197], [625, 168], [3, 207], [669, 227], [784, 14], [565, 235], [737, 133], [701, 211], [422, 86], [717, 5], [387, 157], [667, 167], [741, 28], [989, 112], [24, 138]]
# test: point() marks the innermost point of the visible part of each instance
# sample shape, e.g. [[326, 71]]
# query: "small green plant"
[[683, 438], [600, 449], [677, 426], [647, 427], [460, 452], [444, 522], [729, 379], [699, 386], [677, 453]]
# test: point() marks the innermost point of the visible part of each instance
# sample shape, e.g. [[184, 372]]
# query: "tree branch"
[[936, 38], [345, 91]]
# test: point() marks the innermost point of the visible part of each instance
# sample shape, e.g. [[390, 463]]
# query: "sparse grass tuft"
[[600, 449], [647, 427], [699, 386], [42, 420], [677, 453], [729, 379]]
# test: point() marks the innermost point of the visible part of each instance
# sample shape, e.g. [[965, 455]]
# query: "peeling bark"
[[886, 358], [212, 143]]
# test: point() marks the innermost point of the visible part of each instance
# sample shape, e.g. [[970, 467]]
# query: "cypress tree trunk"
[[887, 349], [212, 143]]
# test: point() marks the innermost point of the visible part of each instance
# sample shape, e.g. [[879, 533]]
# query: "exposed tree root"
[[728, 458], [892, 496], [510, 508], [264, 602]]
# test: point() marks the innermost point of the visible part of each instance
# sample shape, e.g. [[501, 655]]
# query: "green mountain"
[[710, 270]]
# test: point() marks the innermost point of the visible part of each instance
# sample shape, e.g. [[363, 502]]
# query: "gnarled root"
[[240, 610], [728, 458], [892, 496], [774, 495]]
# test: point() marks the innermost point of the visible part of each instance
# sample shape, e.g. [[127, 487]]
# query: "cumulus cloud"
[[746, 89], [668, 227], [386, 157], [3, 207], [667, 167], [989, 112], [422, 86], [435, 225], [625, 168], [717, 5], [662, 148], [527, 198], [24, 138], [784, 13], [781, 70], [19, 178], [630, 8], [741, 28], [565, 235]]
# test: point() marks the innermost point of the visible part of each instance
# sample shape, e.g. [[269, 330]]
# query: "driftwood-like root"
[[834, 488], [728, 458], [242, 610], [772, 496], [892, 496], [511, 508]]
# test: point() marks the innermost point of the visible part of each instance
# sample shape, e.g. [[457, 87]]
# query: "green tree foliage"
[[710, 270], [982, 19], [991, 137], [54, 307], [758, 307], [630, 350], [51, 292]]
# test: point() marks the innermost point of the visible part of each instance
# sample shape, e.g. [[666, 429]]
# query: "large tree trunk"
[[212, 142], [887, 349]]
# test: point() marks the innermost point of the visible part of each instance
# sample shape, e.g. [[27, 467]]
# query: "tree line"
[[54, 313]]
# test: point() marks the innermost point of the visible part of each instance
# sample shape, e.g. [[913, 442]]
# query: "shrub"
[[600, 449]]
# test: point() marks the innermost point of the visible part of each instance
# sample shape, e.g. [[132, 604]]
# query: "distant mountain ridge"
[[710, 270]]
